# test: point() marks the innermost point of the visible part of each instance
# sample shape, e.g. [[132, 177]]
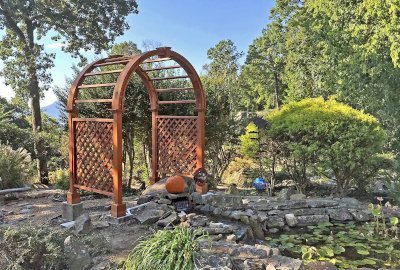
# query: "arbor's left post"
[[73, 207]]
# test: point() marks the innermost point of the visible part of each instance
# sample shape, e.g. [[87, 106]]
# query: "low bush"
[[241, 172], [166, 250], [32, 248], [16, 167], [327, 138], [60, 178]]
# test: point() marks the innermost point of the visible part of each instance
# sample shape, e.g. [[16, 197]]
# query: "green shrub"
[[60, 178], [16, 167], [32, 248], [327, 138], [249, 143], [166, 250], [241, 171]]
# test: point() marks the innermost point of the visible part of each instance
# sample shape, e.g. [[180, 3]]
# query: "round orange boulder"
[[175, 184]]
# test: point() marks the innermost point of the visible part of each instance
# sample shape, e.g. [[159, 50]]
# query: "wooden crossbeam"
[[112, 63], [96, 85], [169, 78], [93, 100], [161, 68], [103, 72], [156, 60], [166, 90], [177, 101]]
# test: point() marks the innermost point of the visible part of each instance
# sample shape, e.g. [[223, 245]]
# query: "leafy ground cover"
[[348, 246]]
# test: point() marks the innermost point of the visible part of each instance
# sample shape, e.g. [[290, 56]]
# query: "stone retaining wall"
[[274, 215]]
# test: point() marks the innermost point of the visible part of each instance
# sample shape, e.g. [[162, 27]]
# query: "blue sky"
[[190, 27]]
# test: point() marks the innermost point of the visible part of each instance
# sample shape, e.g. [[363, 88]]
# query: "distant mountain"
[[52, 110]]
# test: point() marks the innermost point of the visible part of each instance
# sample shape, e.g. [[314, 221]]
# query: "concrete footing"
[[71, 212]]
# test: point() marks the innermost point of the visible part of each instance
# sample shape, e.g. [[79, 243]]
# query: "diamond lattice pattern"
[[177, 143], [94, 154]]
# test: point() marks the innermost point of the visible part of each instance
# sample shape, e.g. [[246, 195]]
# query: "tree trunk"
[[276, 90], [39, 144], [34, 90]]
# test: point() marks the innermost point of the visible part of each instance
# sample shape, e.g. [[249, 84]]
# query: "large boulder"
[[78, 258], [285, 194], [339, 214], [273, 222], [83, 224], [291, 220], [159, 187]]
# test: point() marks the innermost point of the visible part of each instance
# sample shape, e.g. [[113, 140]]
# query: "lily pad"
[[362, 251]]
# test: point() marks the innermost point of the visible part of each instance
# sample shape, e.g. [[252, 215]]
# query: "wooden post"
[[154, 141], [200, 138], [118, 209], [73, 196]]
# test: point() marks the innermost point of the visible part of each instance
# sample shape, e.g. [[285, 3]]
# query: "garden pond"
[[347, 246]]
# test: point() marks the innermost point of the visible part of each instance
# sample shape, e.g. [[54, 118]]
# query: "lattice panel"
[[177, 138], [94, 155]]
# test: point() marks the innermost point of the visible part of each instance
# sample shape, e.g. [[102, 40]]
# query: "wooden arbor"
[[95, 144]]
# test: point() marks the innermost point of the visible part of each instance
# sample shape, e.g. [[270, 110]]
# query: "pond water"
[[348, 246]]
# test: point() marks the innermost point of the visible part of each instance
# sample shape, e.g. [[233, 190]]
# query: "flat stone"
[[83, 224], [315, 203], [249, 252], [277, 262], [26, 211], [216, 225], [339, 214], [150, 216], [169, 220], [145, 199], [291, 220], [349, 202], [102, 224], [360, 215], [198, 220], [205, 208], [273, 222], [298, 196], [164, 201], [68, 225], [197, 198], [321, 266], [225, 201], [311, 220], [119, 220]]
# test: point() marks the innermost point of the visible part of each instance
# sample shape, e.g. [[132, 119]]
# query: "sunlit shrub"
[[166, 250], [16, 167], [329, 138], [60, 178], [32, 248]]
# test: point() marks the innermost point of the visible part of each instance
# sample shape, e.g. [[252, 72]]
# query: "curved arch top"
[[132, 64], [95, 144]]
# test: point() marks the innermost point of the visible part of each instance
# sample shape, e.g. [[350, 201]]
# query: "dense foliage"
[[327, 138], [16, 167], [32, 248]]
